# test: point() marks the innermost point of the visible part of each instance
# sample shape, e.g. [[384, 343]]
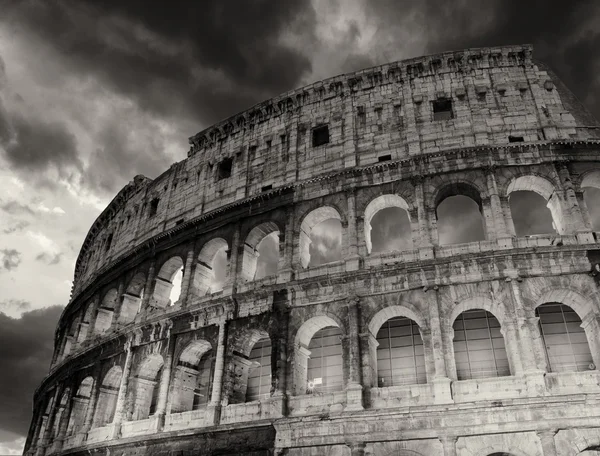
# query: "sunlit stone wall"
[[247, 300]]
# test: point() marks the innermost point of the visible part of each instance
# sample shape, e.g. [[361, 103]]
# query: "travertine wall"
[[133, 352]]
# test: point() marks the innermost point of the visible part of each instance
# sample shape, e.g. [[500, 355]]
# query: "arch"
[[581, 304], [106, 311], [547, 190], [259, 374], [479, 345], [84, 325], [565, 343], [448, 228], [251, 246], [590, 186], [132, 298], [145, 386], [400, 353], [378, 204], [164, 282], [79, 407], [59, 413], [394, 311], [107, 397], [309, 222], [590, 178], [204, 277], [317, 326], [192, 379]]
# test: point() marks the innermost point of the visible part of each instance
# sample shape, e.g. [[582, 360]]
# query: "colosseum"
[[180, 338]]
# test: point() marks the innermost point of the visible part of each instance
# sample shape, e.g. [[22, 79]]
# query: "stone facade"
[[134, 373]]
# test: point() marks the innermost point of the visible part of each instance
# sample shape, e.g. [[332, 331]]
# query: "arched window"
[[479, 346], [59, 413], [459, 212], [564, 339], [261, 252], [400, 356], [528, 212], [590, 185], [387, 225], [259, 377], [79, 408], [325, 365], [167, 285], [107, 397], [192, 381], [132, 298], [106, 311], [212, 266], [321, 237], [145, 382], [84, 326]]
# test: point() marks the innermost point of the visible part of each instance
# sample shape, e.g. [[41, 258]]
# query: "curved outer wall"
[[120, 344]]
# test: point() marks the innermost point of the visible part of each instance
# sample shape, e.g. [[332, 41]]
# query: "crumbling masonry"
[[482, 348]]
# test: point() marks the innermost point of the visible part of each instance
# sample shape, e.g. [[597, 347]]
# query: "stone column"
[[441, 382], [354, 385], [41, 448], [496, 207], [64, 422], [591, 326], [511, 343], [95, 306], [575, 222], [539, 350], [356, 448], [32, 437], [91, 408], [286, 249], [548, 444], [213, 410], [534, 377], [165, 383], [119, 303], [449, 444], [352, 259], [585, 213], [188, 272], [279, 352], [424, 243], [120, 408], [233, 256], [149, 287]]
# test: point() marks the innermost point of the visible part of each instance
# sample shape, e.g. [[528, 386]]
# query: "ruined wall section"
[[378, 114]]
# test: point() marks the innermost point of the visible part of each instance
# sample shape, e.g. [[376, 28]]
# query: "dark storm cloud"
[[554, 28], [25, 350], [9, 259], [159, 54]]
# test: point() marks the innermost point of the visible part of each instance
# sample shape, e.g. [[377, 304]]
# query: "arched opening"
[[479, 349], [45, 417], [321, 237], [192, 381], [590, 185], [79, 407], [107, 397], [318, 365], [387, 225], [167, 285], [261, 252], [212, 267], [106, 311], [529, 215], [459, 213], [132, 298], [259, 376], [565, 342], [84, 326], [146, 381], [400, 355], [59, 413]]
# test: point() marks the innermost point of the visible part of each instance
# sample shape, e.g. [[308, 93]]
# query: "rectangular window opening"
[[384, 158], [179, 222], [266, 188], [225, 167], [320, 135], [442, 109], [153, 207], [515, 139]]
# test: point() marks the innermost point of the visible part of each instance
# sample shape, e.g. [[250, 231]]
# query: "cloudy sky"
[[93, 93]]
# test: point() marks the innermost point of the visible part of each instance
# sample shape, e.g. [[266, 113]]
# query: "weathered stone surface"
[[134, 373]]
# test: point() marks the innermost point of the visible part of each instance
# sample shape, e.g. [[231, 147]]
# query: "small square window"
[[515, 139], [225, 168], [153, 207], [320, 135], [442, 109], [266, 188], [385, 158]]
